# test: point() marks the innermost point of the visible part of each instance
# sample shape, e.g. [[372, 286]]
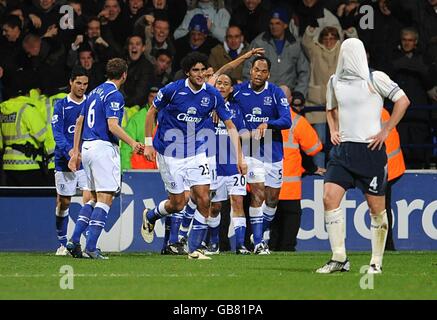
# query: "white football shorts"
[[269, 173], [67, 182], [179, 173], [225, 186], [101, 162]]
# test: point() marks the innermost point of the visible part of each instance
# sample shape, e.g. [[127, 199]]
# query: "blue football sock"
[[268, 215], [167, 224], [97, 223], [256, 222], [240, 230], [176, 220], [198, 231], [157, 213], [82, 221], [214, 229], [186, 220], [61, 225]]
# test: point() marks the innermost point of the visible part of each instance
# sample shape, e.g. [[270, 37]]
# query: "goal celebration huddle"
[[215, 140]]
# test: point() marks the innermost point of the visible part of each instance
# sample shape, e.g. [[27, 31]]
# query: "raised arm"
[[230, 66]]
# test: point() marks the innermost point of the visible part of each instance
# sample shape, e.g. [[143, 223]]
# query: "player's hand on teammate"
[[335, 138], [149, 153], [260, 131], [74, 162], [138, 148], [377, 141], [242, 167]]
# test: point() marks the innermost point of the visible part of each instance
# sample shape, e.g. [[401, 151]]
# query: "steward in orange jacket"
[[395, 168], [301, 137]]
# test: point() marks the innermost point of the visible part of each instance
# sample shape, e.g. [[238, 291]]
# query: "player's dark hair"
[[192, 59], [78, 71], [269, 63], [115, 68]]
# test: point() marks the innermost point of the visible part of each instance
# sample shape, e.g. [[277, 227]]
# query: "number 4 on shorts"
[[374, 183]]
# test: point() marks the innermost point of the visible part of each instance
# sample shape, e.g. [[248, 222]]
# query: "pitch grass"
[[407, 275]]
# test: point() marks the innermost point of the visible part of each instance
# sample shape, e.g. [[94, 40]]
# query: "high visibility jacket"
[[135, 129], [46, 106], [129, 112], [395, 158], [301, 135], [20, 122]]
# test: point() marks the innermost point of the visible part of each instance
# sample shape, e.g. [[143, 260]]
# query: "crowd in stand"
[[41, 43]]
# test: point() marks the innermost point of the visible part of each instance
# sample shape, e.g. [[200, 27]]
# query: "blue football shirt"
[[226, 159], [64, 118], [267, 106], [183, 115], [104, 102]]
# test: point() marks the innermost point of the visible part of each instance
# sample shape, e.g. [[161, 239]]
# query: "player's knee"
[[215, 209], [203, 202], [177, 205], [272, 203], [63, 203], [329, 200], [257, 197]]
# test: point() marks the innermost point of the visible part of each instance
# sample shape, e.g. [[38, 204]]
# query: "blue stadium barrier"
[[27, 222]]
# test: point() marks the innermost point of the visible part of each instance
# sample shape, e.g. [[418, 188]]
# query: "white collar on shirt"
[[258, 92], [195, 92], [71, 100]]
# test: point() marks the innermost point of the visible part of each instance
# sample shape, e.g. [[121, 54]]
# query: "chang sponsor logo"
[[254, 117], [189, 116], [71, 128]]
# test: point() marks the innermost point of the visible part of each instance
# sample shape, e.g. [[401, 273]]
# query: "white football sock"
[[334, 221], [379, 228]]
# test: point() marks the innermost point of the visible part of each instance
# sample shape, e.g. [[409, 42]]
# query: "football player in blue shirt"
[[100, 119], [266, 112], [64, 118], [226, 181], [182, 108]]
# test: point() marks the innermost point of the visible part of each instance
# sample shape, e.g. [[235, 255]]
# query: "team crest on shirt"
[[204, 102], [159, 95], [115, 106], [55, 118], [284, 102], [268, 101]]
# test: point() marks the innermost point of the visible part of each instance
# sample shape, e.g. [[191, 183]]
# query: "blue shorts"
[[353, 165]]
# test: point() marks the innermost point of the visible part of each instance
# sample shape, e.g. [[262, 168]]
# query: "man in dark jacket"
[[139, 74], [252, 18]]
